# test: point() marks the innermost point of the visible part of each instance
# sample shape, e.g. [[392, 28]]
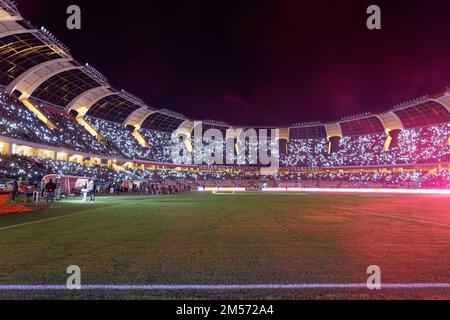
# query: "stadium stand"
[[35, 168], [120, 137], [18, 122], [419, 145]]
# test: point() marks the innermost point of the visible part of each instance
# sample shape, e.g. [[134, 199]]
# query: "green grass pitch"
[[251, 238]]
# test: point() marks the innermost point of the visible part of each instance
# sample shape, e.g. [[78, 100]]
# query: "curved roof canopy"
[[209, 124], [62, 88], [308, 132], [115, 108], [8, 11], [163, 120], [21, 52], [424, 114]]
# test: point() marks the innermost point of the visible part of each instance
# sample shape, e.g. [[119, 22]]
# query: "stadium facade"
[[54, 107]]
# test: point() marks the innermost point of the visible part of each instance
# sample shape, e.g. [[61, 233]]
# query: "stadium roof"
[[424, 114], [34, 64], [62, 88], [163, 120], [308, 131], [115, 108], [21, 52], [8, 11], [211, 124]]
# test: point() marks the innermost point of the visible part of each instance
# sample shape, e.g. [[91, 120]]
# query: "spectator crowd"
[[413, 146], [33, 170]]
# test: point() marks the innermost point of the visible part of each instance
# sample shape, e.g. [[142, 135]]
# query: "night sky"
[[259, 62]]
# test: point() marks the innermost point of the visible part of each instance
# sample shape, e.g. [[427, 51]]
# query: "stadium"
[[367, 189]]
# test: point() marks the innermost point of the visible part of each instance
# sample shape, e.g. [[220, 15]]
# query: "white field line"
[[63, 216], [258, 192], [391, 216], [49, 219], [202, 287]]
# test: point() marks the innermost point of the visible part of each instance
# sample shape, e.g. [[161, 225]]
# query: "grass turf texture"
[[231, 239]]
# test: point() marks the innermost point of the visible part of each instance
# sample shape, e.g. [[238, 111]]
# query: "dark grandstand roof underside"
[[21, 52], [259, 131], [62, 88], [161, 122], [113, 108], [363, 126], [313, 132], [425, 114], [206, 127]]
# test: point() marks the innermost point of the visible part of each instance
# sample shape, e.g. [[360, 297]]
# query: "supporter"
[[91, 190], [50, 188], [15, 189]]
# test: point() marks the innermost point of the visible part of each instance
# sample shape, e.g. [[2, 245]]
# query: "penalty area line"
[[161, 287]]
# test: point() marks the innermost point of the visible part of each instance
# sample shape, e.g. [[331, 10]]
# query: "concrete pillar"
[[333, 144], [5, 148]]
